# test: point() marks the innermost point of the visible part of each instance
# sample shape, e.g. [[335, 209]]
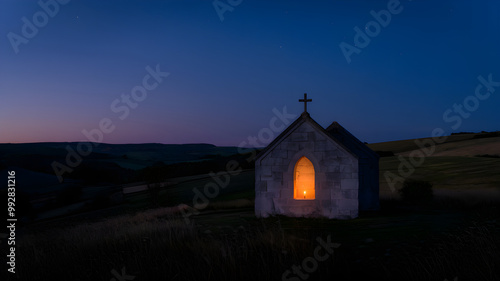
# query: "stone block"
[[300, 137], [287, 185], [321, 146], [329, 184], [266, 177], [336, 194], [306, 146], [304, 211], [333, 168], [311, 136], [326, 204], [346, 175], [345, 213], [326, 212], [275, 161], [355, 168], [279, 153], [346, 160], [286, 193], [278, 205], [337, 182], [280, 201], [305, 128], [331, 154], [290, 146], [320, 137], [278, 168], [271, 194], [273, 186], [350, 194], [263, 207], [261, 186], [323, 193], [349, 184], [333, 176], [347, 205], [343, 153], [278, 177], [346, 168], [264, 170], [336, 185]]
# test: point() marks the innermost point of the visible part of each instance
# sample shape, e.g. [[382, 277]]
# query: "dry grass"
[[157, 244], [230, 204], [470, 253]]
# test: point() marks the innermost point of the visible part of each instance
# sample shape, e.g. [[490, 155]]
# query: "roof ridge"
[[304, 117]]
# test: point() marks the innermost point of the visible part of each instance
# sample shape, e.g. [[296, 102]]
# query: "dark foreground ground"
[[443, 240]]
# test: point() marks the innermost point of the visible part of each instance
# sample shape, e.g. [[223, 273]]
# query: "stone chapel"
[[310, 171]]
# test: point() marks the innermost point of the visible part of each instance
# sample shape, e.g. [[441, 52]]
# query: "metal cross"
[[305, 101]]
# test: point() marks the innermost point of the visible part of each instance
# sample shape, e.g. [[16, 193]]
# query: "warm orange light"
[[303, 180]]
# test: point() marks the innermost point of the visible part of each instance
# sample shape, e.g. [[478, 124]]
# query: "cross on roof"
[[305, 101]]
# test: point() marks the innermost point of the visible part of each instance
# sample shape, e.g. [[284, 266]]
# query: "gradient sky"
[[227, 76]]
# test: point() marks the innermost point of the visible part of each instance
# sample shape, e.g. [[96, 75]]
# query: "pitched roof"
[[305, 117], [349, 140]]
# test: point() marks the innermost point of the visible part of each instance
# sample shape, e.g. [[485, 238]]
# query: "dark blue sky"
[[227, 76]]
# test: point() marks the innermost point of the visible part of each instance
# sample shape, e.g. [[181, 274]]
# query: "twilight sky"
[[83, 61]]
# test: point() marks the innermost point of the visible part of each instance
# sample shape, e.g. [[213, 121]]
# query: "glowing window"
[[303, 180]]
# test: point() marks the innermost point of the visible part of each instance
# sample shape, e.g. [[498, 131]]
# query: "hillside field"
[[157, 235]]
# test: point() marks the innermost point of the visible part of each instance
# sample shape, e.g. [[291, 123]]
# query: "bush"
[[488, 155], [416, 191]]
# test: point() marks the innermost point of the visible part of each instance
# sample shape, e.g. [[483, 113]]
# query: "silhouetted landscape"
[[132, 206], [250, 140]]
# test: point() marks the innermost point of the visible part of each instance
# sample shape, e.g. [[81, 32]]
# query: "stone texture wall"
[[336, 176]]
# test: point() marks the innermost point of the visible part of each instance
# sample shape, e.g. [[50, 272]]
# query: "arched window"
[[303, 180]]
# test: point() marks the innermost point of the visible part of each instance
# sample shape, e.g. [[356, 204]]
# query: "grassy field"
[[454, 145], [231, 244], [449, 172], [445, 239], [409, 145], [446, 173], [456, 235]]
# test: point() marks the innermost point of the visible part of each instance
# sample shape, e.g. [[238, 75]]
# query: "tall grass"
[[159, 245], [471, 253]]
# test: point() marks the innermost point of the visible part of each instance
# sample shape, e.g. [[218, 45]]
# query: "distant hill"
[[468, 144], [132, 156], [124, 163], [108, 163], [468, 161], [455, 165]]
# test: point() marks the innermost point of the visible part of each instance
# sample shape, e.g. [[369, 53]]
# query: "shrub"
[[488, 155], [416, 191]]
